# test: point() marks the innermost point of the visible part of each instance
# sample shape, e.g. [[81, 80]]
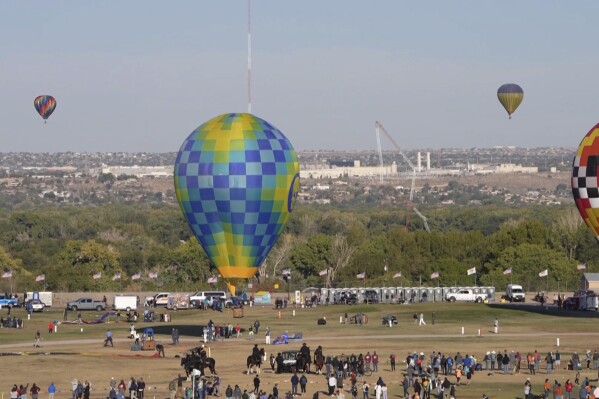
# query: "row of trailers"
[[398, 294]]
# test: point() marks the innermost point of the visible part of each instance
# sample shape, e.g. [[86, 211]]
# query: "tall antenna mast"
[[249, 57]]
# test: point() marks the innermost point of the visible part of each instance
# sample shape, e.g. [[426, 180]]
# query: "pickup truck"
[[8, 302], [465, 295], [86, 304]]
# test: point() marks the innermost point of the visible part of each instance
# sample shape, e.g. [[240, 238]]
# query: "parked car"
[[35, 304], [465, 295], [7, 301], [86, 304]]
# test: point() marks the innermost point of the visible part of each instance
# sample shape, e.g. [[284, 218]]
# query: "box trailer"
[[125, 302], [43, 296]]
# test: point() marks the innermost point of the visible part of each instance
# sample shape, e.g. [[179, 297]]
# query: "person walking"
[[392, 361], [421, 320], [267, 335], [495, 326], [38, 339], [332, 384]]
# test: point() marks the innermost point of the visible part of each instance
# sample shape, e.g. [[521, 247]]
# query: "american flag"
[[136, 276], [212, 280], [471, 271], [7, 274], [117, 276], [582, 266], [97, 276], [544, 273], [153, 275], [286, 271], [397, 275], [507, 271], [435, 275], [41, 277], [361, 276], [323, 272]]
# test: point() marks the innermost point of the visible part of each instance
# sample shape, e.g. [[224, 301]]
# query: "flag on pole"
[[361, 276], [286, 271], [397, 275], [7, 274], [471, 271], [212, 280], [434, 275], [323, 272], [117, 276], [507, 271], [582, 266], [544, 273], [136, 276], [153, 275], [97, 276], [41, 277]]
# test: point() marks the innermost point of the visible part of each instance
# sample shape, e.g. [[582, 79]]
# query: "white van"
[[197, 299], [515, 293], [125, 302]]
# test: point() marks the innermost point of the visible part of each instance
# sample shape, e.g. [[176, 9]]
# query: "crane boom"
[[424, 219], [379, 127]]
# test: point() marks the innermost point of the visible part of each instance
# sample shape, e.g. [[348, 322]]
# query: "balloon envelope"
[[44, 105], [237, 179], [585, 187], [510, 95]]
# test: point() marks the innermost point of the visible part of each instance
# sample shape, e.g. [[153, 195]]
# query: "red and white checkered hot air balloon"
[[585, 183]]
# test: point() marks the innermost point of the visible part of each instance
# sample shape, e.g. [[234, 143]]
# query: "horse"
[[254, 362], [318, 363], [302, 362], [191, 362]]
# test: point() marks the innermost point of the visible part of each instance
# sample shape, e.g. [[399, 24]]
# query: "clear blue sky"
[[141, 75]]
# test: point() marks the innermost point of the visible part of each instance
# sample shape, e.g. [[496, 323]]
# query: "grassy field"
[[76, 353]]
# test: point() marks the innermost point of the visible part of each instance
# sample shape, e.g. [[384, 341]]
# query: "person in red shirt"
[[367, 360], [375, 361], [50, 327]]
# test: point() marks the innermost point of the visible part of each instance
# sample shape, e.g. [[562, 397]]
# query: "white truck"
[[515, 293], [464, 295], [125, 302]]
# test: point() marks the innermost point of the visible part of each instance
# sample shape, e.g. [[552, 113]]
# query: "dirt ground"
[[72, 353]]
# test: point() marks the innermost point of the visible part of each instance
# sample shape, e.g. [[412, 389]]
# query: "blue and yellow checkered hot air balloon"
[[510, 95], [237, 179]]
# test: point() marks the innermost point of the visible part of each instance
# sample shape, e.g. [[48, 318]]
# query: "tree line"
[[69, 244]]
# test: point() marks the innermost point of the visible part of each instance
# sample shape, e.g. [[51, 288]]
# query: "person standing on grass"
[[365, 389], [495, 326], [51, 390], [375, 362], [303, 382], [256, 384], [294, 381]]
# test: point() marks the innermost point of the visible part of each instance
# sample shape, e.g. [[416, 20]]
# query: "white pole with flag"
[[472, 271], [545, 273]]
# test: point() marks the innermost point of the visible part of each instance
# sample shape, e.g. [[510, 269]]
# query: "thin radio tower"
[[249, 57]]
